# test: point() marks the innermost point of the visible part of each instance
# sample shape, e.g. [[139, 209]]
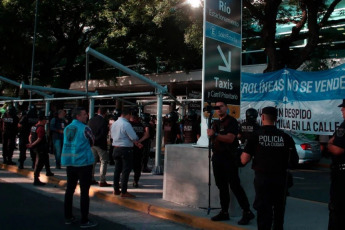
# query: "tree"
[[265, 15]]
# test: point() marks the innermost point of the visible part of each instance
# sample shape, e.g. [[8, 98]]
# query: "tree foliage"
[[266, 15]]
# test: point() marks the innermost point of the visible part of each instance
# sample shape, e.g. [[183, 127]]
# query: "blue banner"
[[306, 101]]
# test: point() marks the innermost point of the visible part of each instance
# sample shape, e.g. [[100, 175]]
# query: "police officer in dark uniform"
[[225, 169], [249, 127], [32, 121], [171, 128], [24, 132], [10, 130], [145, 119], [336, 147], [143, 135], [191, 128], [273, 151]]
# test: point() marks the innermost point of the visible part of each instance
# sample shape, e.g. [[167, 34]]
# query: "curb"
[[156, 211]]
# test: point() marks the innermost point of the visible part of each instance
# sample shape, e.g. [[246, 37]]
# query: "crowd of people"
[[123, 139]]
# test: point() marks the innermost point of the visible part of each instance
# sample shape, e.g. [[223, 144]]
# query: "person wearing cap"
[[249, 127], [336, 147], [38, 144], [225, 168], [273, 151]]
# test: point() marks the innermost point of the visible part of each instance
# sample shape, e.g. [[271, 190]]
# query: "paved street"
[[311, 183], [24, 206]]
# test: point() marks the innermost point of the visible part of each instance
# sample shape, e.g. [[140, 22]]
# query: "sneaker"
[[247, 216], [117, 192], [49, 174], [70, 220], [135, 184], [89, 224], [127, 195], [221, 216], [104, 184]]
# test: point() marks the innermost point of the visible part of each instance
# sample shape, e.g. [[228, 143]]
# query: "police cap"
[[342, 104]]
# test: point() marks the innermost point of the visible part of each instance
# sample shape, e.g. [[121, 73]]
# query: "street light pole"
[[33, 49]]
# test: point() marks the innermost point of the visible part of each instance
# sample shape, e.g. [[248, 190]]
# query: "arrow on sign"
[[227, 67]]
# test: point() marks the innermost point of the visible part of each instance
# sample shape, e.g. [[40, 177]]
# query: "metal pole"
[[157, 170], [47, 113], [33, 49], [87, 74], [91, 107]]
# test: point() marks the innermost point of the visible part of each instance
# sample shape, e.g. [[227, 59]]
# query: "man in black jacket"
[[99, 127]]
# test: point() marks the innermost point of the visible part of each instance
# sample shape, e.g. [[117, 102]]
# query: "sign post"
[[222, 42]]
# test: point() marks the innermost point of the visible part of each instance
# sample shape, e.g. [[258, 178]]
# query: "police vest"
[[273, 150], [189, 133], [76, 149]]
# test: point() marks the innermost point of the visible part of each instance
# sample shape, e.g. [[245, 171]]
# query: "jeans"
[[123, 157], [83, 174], [103, 157], [57, 150]]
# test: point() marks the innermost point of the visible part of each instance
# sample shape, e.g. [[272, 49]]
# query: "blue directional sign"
[[222, 51]]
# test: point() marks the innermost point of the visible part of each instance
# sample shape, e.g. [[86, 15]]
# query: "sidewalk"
[[300, 214]]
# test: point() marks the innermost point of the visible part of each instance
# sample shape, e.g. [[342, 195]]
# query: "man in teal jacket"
[[78, 159]]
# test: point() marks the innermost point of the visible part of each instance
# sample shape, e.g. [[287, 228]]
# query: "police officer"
[[191, 128], [143, 135], [24, 132], [224, 145], [336, 147], [32, 121], [171, 128], [249, 127], [273, 151], [10, 129], [145, 119]]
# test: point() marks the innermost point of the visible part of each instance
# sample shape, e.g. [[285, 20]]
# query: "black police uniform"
[[337, 190], [271, 149], [247, 130], [191, 129], [225, 168], [9, 132], [24, 132], [32, 120], [171, 129], [147, 147], [139, 129]]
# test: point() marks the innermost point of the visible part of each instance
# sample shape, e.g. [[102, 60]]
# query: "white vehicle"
[[308, 150]]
